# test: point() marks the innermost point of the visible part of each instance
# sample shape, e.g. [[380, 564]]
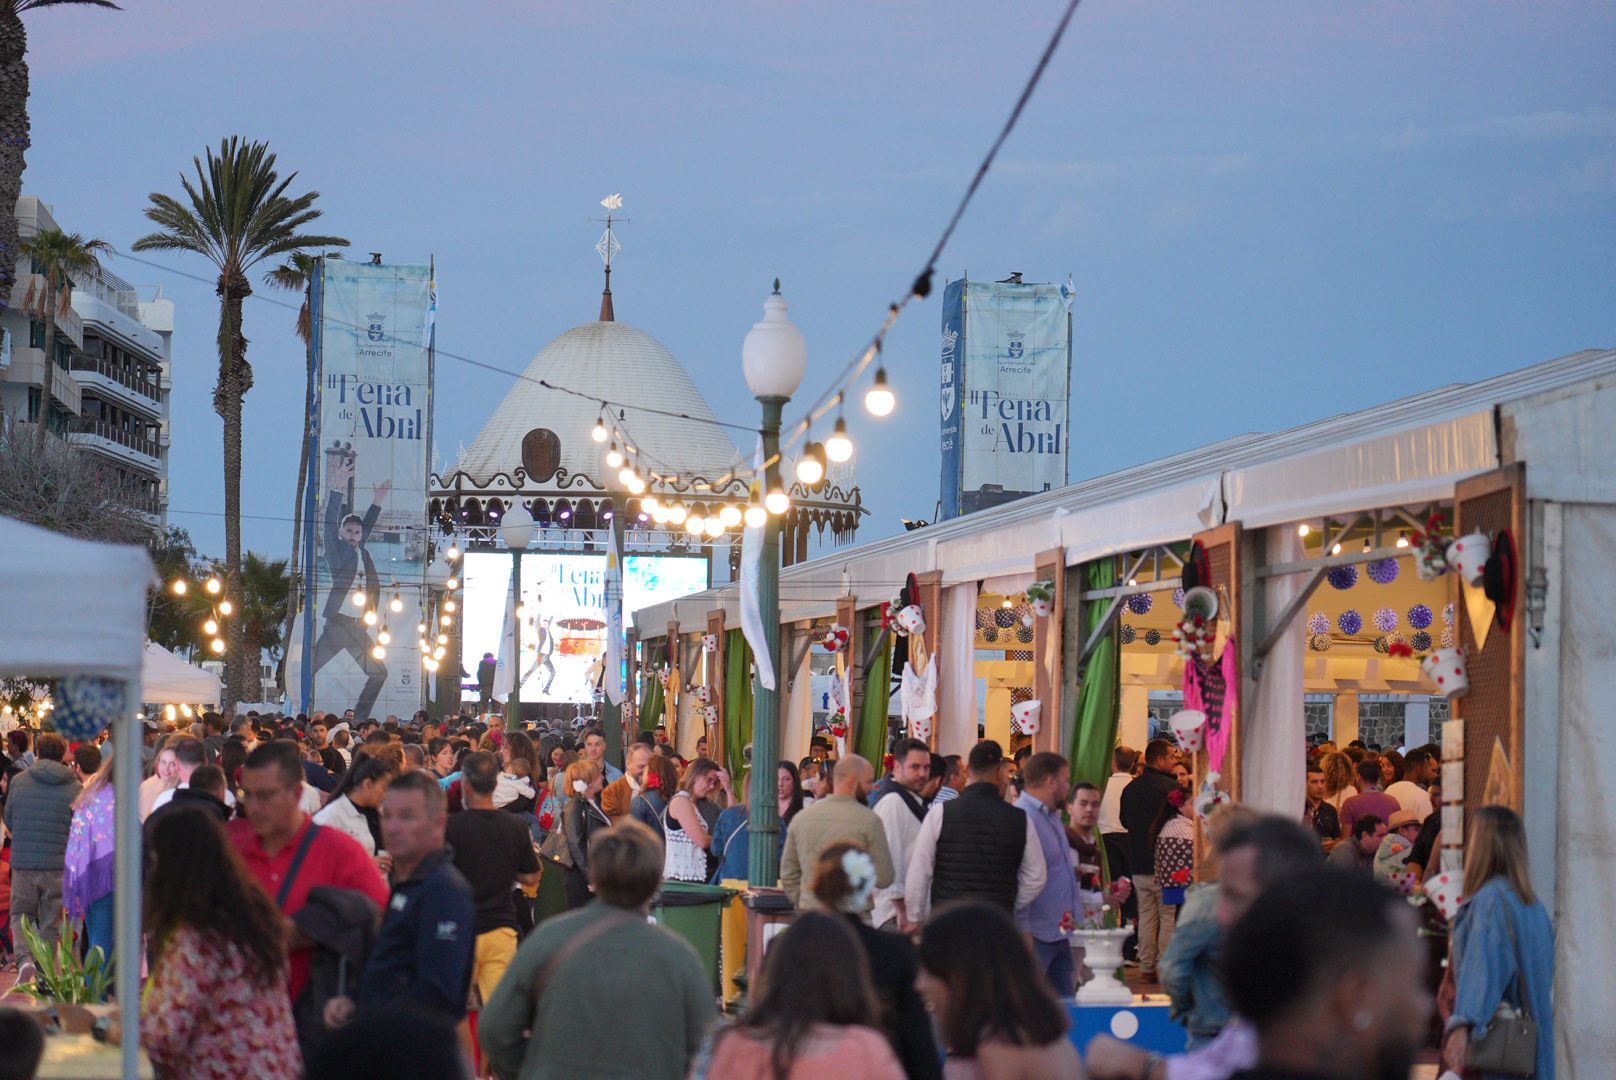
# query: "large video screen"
[[563, 600]]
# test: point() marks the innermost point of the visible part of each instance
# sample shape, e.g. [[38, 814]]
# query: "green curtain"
[[870, 740], [1094, 730], [652, 696], [737, 702]]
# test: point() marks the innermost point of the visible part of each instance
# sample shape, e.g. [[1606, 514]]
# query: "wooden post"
[[670, 700], [931, 602], [715, 685], [1047, 681]]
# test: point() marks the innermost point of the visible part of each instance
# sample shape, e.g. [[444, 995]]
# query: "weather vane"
[[608, 247]]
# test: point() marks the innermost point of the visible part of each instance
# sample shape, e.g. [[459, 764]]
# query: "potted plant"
[[1097, 941], [1041, 595], [59, 975]]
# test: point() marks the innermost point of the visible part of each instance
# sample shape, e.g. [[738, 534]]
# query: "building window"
[[36, 334], [33, 404]]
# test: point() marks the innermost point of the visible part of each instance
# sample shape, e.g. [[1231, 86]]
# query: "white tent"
[[168, 680], [79, 608]]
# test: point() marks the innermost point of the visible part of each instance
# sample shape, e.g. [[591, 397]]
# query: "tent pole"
[[126, 745]]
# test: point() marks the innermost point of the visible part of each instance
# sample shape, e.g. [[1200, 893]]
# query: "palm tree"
[[266, 592], [239, 214], [58, 257], [14, 124]]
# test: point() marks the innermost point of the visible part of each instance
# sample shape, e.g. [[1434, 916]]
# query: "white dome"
[[608, 361]]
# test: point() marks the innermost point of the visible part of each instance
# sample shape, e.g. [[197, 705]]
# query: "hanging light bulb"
[[839, 447], [217, 645], [880, 400], [729, 516], [445, 620], [453, 553], [420, 628], [180, 587], [429, 663], [714, 528], [1335, 549], [396, 604], [1303, 530], [649, 504], [226, 608], [1007, 605], [169, 712], [370, 618], [776, 501], [385, 637], [811, 466], [755, 516], [624, 475], [599, 432], [443, 639], [614, 457], [214, 586], [1402, 539], [379, 653], [634, 484], [448, 604], [452, 584], [660, 515], [694, 524], [359, 598], [210, 628], [439, 653], [677, 514]]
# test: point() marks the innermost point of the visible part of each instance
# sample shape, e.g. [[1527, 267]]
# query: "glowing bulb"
[[448, 604], [599, 432], [217, 645], [755, 516], [614, 457], [649, 504], [624, 475], [443, 639], [452, 584], [714, 528], [880, 400], [1007, 605], [453, 553], [226, 608], [635, 485], [210, 628], [660, 515], [214, 586], [396, 604], [694, 524], [185, 711], [1335, 549], [811, 466], [385, 637], [445, 620], [839, 447], [359, 598], [1402, 539], [677, 514], [439, 652], [379, 653], [169, 712], [1303, 529], [179, 587], [370, 618], [420, 628], [776, 501], [729, 516]]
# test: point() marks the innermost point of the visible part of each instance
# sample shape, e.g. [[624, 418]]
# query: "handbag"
[[1510, 1046], [555, 846]]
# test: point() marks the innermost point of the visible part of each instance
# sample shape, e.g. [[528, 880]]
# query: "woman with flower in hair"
[[581, 819], [650, 806], [1173, 835], [842, 881]]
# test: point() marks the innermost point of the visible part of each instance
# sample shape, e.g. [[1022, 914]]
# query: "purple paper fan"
[[1383, 571], [1178, 598], [1343, 577], [1386, 619], [1420, 617], [1141, 603], [1350, 622], [1318, 623]]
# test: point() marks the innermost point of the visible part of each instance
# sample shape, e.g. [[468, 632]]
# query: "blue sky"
[[1273, 212]]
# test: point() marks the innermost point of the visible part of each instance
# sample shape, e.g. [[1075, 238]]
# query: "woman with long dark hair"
[[355, 806], [216, 1005], [994, 1008], [788, 788], [813, 1014]]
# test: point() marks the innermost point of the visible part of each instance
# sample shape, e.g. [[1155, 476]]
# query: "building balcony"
[[68, 323], [112, 383], [121, 320], [119, 445], [30, 368]]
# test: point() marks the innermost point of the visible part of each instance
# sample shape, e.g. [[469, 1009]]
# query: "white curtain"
[[956, 671], [1273, 738], [796, 703]]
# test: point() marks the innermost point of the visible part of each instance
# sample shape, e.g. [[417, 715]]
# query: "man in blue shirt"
[[1045, 787]]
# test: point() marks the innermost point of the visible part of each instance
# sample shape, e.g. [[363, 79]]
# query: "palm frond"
[[30, 5]]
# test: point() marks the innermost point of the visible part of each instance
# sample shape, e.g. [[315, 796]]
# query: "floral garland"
[[838, 723], [860, 871], [1430, 548], [1194, 636]]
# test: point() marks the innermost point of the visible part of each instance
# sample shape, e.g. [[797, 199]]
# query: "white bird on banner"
[[1068, 293]]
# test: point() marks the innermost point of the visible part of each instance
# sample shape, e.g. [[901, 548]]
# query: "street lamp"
[[516, 529], [774, 357]]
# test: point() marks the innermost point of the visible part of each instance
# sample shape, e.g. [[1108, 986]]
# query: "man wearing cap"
[[1402, 829]]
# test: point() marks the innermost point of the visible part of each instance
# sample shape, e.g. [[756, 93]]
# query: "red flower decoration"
[[1177, 797], [1400, 648], [653, 782], [888, 761]]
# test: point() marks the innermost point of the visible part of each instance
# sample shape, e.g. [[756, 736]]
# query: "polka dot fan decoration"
[[1383, 571], [1447, 637], [1152, 637], [1320, 642], [1343, 577], [1420, 617], [1141, 603], [1386, 620], [1127, 634], [1350, 622], [86, 706], [1318, 623], [1447, 617], [1421, 640], [1178, 598]]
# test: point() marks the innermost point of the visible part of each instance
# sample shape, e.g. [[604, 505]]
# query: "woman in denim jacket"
[[1492, 965]]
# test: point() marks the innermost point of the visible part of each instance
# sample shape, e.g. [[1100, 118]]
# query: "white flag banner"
[[505, 672], [751, 605], [614, 622]]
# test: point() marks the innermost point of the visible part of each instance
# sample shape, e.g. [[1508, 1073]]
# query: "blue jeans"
[[98, 923], [1055, 959]]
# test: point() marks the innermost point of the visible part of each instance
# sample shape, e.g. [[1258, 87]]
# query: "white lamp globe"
[[755, 516], [839, 447], [516, 528], [714, 528], [729, 516], [677, 513], [774, 354]]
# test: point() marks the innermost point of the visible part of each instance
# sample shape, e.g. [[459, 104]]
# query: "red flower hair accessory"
[[1177, 797], [653, 782]]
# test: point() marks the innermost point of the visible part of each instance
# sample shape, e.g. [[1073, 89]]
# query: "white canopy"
[[168, 680], [79, 608]]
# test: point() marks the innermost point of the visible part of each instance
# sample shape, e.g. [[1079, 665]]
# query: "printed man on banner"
[[352, 570]]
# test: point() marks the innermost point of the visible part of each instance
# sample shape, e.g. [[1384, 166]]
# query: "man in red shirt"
[[274, 832]]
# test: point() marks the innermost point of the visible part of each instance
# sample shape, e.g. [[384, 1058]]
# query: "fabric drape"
[[1273, 742], [737, 701], [1094, 727], [870, 740], [652, 693], [956, 671]]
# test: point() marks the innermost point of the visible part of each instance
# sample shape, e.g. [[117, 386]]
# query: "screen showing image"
[[563, 614]]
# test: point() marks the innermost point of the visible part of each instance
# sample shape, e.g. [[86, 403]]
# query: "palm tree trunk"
[[233, 381], [13, 139]]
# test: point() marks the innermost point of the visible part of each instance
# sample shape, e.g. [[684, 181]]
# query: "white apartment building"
[[104, 383]]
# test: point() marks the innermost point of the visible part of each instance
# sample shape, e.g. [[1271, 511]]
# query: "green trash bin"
[[696, 913]]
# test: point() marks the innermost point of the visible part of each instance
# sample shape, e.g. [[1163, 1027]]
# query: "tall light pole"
[[516, 529], [774, 356]]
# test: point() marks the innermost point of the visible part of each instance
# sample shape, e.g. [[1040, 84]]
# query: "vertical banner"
[[1006, 366], [358, 648], [614, 621]]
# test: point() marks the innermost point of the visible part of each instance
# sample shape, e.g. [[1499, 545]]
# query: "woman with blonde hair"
[[688, 840], [1501, 951], [1339, 772], [581, 819], [88, 869]]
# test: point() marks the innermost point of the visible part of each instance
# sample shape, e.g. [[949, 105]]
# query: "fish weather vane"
[[608, 247]]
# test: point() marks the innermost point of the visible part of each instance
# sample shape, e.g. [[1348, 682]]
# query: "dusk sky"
[[1273, 212]]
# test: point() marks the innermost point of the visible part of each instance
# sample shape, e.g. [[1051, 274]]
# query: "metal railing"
[[138, 443], [148, 388]]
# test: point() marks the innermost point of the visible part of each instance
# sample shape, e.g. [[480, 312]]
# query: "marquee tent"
[[168, 680]]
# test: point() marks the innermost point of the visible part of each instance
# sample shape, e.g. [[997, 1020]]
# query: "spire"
[[608, 247]]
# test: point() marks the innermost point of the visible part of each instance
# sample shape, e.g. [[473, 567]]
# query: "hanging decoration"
[[1213, 687], [1024, 634], [984, 618], [1025, 716], [1342, 577], [1041, 595], [1318, 623], [1397, 647], [1152, 637], [1499, 578], [1468, 556], [1189, 729], [1004, 618], [1127, 634], [709, 643], [1386, 619], [1141, 603], [1420, 617], [835, 639], [1421, 640], [1178, 597], [1449, 612], [990, 634], [703, 695], [1196, 632], [1383, 571], [1350, 622], [1320, 642], [86, 705], [1382, 644], [1446, 668], [1447, 637], [1430, 548]]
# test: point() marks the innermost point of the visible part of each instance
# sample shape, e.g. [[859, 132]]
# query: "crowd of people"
[[331, 897]]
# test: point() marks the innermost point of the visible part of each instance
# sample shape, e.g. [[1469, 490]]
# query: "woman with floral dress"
[[216, 1005]]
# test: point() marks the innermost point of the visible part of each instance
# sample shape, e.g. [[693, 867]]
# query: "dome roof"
[[608, 361]]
